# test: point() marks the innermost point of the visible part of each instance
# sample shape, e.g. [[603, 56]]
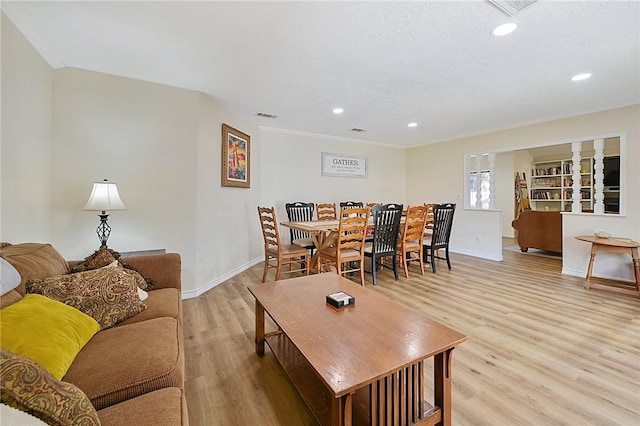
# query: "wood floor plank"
[[542, 350]]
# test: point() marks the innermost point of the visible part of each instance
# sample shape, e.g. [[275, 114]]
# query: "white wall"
[[291, 171], [228, 238], [441, 166], [25, 150], [140, 135], [505, 195]]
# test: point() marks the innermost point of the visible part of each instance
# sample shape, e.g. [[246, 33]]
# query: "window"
[[485, 189], [479, 186]]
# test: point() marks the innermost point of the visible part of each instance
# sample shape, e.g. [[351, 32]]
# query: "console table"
[[613, 245], [361, 364]]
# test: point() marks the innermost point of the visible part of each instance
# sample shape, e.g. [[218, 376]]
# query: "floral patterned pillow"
[[27, 386], [106, 257], [108, 295]]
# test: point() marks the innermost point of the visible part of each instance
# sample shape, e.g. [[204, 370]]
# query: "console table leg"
[[594, 249], [636, 267], [259, 328]]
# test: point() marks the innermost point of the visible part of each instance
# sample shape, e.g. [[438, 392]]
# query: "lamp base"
[[103, 230]]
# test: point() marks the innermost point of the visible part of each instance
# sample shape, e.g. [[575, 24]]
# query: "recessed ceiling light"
[[338, 110], [504, 29], [412, 124], [582, 76]]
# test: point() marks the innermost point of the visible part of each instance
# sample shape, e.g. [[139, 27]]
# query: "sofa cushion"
[[46, 331], [164, 302], [29, 387], [127, 361], [34, 261], [109, 295], [163, 407]]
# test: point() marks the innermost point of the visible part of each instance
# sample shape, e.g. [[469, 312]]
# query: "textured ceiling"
[[386, 63]]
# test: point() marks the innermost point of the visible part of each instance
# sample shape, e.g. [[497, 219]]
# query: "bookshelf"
[[551, 185]]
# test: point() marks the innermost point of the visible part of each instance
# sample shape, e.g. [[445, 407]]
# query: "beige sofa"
[[133, 372], [539, 229]]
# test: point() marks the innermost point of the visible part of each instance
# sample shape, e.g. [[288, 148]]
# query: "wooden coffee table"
[[361, 364]]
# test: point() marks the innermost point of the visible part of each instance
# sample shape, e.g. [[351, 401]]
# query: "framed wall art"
[[236, 157]]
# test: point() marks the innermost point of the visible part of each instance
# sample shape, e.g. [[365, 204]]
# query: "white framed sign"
[[344, 165]]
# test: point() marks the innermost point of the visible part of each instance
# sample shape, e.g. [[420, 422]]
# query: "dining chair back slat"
[[300, 212], [442, 224], [347, 255], [347, 204], [411, 238], [384, 238], [326, 211]]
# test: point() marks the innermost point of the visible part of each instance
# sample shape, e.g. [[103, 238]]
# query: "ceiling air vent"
[[512, 7], [355, 129], [265, 115]]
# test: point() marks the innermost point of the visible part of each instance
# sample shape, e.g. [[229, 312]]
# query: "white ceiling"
[[385, 63]]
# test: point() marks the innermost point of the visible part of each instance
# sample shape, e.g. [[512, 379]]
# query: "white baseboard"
[[188, 294], [497, 258]]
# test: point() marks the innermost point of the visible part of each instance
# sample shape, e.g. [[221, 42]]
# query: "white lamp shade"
[[104, 197]]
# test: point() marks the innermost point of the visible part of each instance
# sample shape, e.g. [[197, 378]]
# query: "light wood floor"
[[542, 350]]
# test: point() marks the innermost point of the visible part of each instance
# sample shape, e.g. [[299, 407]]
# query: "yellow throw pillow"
[[45, 331]]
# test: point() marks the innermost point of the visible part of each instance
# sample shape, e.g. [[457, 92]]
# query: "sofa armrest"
[[164, 269]]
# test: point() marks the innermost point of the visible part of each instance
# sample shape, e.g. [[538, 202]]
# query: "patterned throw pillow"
[[98, 259], [109, 295], [27, 386], [106, 257]]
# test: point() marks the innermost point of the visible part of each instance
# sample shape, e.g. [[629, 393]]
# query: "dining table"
[[324, 233]]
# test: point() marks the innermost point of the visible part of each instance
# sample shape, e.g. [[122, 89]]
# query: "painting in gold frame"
[[236, 157]]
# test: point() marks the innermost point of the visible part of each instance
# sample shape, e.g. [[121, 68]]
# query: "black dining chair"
[[386, 226], [349, 204], [300, 212], [439, 238]]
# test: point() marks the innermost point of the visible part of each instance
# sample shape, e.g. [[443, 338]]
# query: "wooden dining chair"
[[411, 238], [276, 254], [429, 225], [386, 226], [326, 211], [347, 255], [439, 239], [300, 212]]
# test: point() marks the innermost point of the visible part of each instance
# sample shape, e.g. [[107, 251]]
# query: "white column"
[[598, 177], [492, 178], [576, 205], [478, 181]]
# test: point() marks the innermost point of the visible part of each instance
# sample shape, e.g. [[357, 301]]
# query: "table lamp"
[[104, 197]]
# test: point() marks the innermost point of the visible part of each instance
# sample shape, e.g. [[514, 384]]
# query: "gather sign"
[[344, 165]]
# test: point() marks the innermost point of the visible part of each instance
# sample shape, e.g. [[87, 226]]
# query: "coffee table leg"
[[259, 328], [442, 385], [342, 411]]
